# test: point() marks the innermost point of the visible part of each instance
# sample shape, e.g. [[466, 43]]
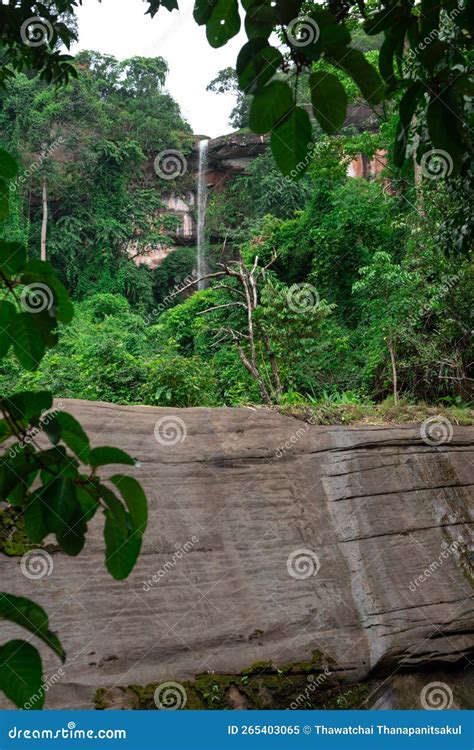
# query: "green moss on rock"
[[298, 685], [258, 667], [13, 539]]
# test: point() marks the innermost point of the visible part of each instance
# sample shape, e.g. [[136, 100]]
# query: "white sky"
[[121, 28]]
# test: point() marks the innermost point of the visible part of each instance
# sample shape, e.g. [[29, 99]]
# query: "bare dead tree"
[[393, 359], [44, 220], [247, 297]]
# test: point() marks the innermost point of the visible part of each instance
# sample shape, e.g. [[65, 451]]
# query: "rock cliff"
[[281, 560]]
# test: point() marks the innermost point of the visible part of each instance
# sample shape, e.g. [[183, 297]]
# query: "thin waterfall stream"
[[201, 212]]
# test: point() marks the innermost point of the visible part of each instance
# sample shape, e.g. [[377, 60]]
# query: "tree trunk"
[[253, 370], [273, 363], [44, 223], [391, 349]]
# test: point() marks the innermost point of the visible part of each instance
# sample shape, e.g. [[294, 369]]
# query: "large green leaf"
[[57, 461], [28, 346], [28, 405], [21, 674], [17, 496], [444, 132], [289, 143], [60, 502], [334, 36], [5, 430], [382, 20], [429, 17], [37, 272], [12, 257], [102, 456], [394, 40], [64, 307], [329, 100], [135, 500], [71, 538], [353, 62], [155, 5], [87, 495], [13, 472], [71, 434], [224, 23], [8, 165], [257, 63], [4, 199], [269, 106], [122, 549], [203, 10], [407, 109], [260, 19], [34, 517], [7, 316], [32, 617], [288, 10], [47, 328]]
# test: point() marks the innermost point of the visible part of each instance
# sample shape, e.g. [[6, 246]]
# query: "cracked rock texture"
[[269, 539]]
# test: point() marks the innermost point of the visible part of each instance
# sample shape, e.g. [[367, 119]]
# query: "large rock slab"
[[269, 539]]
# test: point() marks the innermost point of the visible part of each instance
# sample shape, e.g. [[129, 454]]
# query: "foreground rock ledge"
[[270, 540]]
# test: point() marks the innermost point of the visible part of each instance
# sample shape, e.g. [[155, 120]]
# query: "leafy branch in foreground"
[[31, 35], [56, 489], [423, 66]]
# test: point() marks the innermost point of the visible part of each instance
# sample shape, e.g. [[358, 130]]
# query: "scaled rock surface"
[[269, 539]]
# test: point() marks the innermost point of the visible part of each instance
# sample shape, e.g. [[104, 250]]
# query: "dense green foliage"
[[351, 241], [91, 144], [424, 65], [369, 250], [374, 263]]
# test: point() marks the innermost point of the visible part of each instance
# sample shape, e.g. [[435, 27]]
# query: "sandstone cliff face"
[[229, 156], [329, 551]]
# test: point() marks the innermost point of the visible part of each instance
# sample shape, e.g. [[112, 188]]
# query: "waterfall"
[[201, 208]]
